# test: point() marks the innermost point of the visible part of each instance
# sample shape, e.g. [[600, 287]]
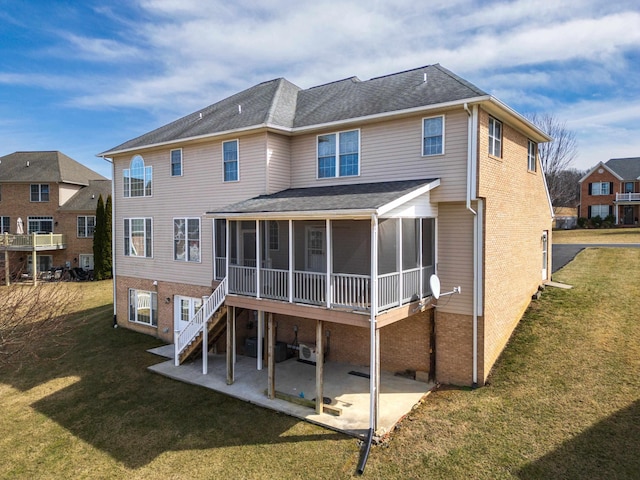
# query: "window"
[[230, 160], [531, 156], [86, 225], [433, 136], [137, 179], [143, 307], [628, 187], [176, 162], [495, 137], [40, 192], [137, 237], [346, 145], [600, 188], [601, 211], [39, 224], [186, 239], [5, 224], [274, 235]]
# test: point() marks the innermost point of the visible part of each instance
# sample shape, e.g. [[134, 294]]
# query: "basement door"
[[185, 308], [545, 253]]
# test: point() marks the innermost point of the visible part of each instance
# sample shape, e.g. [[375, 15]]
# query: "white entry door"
[[545, 253], [316, 253], [185, 308], [86, 261]]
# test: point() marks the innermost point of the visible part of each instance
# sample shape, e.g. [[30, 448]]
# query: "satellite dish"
[[434, 282]]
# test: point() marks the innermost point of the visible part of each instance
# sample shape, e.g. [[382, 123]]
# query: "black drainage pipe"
[[365, 453]]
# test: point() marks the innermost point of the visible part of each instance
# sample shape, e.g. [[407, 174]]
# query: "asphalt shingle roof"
[[87, 198], [47, 166], [280, 103], [627, 168], [364, 196]]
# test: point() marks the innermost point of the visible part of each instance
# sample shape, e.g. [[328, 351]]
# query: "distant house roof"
[[364, 198], [627, 168], [280, 104], [86, 199], [52, 166]]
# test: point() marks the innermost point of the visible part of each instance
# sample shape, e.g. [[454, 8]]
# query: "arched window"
[[137, 178]]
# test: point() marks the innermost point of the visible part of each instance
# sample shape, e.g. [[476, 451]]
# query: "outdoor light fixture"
[[167, 300]]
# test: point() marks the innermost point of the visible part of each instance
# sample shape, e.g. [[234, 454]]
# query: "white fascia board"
[[295, 215], [526, 125], [408, 197]]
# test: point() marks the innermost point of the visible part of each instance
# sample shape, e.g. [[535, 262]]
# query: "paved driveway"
[[564, 253]]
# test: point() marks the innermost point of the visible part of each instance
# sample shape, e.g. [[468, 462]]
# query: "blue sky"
[[85, 76]]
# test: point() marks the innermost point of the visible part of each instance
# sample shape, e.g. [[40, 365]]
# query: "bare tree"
[[32, 317], [556, 156]]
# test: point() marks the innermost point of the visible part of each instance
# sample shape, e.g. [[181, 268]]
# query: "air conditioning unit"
[[307, 352]]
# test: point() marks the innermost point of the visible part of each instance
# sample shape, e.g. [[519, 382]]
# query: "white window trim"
[[600, 207], [443, 137], [85, 225], [145, 238], [600, 189], [135, 320], [2, 229], [531, 159], [237, 141], [40, 193], [186, 253], [493, 139], [144, 169], [337, 134], [171, 163], [39, 218]]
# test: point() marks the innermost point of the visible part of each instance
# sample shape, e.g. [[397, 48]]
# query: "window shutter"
[[589, 208], [590, 194], [610, 209], [610, 188]]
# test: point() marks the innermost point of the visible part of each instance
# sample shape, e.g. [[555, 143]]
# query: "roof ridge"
[[354, 79], [401, 72], [274, 100]]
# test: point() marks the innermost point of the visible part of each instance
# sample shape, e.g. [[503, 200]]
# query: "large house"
[[612, 189], [47, 213], [322, 213]]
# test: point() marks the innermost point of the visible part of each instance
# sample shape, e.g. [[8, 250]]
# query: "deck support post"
[[231, 317], [271, 344], [7, 275], [319, 366], [34, 265], [205, 348]]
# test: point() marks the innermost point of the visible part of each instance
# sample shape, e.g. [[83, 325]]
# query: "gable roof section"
[[359, 199], [280, 104], [86, 199], [47, 166], [626, 168]]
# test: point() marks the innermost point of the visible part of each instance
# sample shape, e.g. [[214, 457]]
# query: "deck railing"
[[274, 284], [310, 287], [52, 240], [350, 290], [627, 197]]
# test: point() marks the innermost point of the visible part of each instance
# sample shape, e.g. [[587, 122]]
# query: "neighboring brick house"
[[55, 197], [330, 208], [612, 188]]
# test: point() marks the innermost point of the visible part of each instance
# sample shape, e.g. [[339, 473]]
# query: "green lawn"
[[563, 402], [603, 235]]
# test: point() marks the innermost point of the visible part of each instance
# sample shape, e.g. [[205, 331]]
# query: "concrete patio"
[[348, 392]]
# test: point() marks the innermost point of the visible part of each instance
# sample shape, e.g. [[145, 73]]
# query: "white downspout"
[[472, 168]]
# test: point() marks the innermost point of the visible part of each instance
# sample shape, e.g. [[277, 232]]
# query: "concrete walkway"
[[348, 392], [564, 253]]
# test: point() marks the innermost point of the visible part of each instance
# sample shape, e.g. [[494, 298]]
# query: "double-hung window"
[[433, 136], [531, 156], [600, 188], [39, 192], [86, 226], [495, 137], [186, 239], [230, 160], [601, 211], [339, 154], [143, 307], [137, 180], [176, 162], [137, 237], [39, 224], [5, 224]]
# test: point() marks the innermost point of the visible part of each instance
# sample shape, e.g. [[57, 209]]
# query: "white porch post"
[[421, 270], [205, 347], [213, 247], [258, 259], [400, 278], [329, 255], [228, 252], [290, 261], [373, 337]]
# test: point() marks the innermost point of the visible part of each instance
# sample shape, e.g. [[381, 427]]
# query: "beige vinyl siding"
[[198, 190], [455, 257], [278, 163], [66, 191], [392, 150]]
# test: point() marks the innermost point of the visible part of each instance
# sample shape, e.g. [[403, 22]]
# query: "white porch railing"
[[221, 267], [410, 285], [242, 280], [43, 240], [310, 287], [627, 197], [274, 284], [388, 290], [350, 290], [185, 336]]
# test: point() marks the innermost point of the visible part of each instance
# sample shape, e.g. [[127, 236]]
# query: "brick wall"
[[586, 200]]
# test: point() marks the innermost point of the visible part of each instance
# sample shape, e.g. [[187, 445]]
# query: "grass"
[[563, 402], [604, 235]]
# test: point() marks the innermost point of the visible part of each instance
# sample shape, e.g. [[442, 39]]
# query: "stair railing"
[[196, 324]]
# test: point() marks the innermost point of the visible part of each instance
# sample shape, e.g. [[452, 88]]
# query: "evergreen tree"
[[107, 269], [98, 241]]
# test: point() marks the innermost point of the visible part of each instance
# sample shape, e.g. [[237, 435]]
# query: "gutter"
[[472, 169]]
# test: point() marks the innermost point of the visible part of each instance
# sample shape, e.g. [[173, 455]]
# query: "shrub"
[[582, 222]]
